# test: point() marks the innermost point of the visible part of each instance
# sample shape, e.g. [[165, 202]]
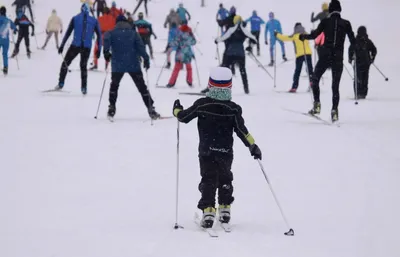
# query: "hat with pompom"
[[220, 84]]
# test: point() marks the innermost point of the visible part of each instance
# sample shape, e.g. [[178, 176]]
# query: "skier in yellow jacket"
[[303, 54]]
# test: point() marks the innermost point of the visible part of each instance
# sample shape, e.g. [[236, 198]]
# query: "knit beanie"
[[3, 11], [220, 84], [335, 6]]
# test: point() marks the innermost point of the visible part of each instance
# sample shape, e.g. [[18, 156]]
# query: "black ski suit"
[[234, 52], [335, 29], [23, 25], [217, 120], [364, 52], [101, 5], [21, 4]]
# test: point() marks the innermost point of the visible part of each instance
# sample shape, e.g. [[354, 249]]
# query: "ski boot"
[[224, 212], [334, 115], [94, 67], [284, 58], [293, 90], [169, 86], [28, 53], [246, 90], [59, 86], [271, 64], [316, 109], [208, 217], [84, 90], [153, 114], [5, 71], [111, 111], [168, 66], [258, 52], [190, 84]]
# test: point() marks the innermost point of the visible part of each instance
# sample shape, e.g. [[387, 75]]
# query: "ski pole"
[[217, 57], [177, 226], [291, 231], [198, 49], [260, 64], [274, 65], [376, 67], [37, 45], [355, 82], [149, 103], [162, 68], [348, 72], [308, 71], [101, 95], [197, 70], [16, 57]]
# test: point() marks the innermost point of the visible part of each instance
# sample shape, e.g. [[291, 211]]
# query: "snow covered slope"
[[71, 185]]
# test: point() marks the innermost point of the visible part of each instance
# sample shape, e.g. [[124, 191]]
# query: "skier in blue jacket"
[[172, 35], [182, 12], [124, 48], [84, 26], [256, 22], [5, 25], [222, 14], [272, 26]]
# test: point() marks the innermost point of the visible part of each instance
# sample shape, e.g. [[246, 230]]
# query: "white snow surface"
[[71, 185]]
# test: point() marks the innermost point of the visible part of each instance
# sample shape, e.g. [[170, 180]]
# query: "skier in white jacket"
[[54, 26]]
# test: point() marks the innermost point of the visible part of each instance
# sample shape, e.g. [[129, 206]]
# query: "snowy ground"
[[71, 185]]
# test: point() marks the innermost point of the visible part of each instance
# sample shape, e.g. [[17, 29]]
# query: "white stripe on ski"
[[211, 232]]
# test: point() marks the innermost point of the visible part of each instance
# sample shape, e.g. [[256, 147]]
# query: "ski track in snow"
[[71, 185]]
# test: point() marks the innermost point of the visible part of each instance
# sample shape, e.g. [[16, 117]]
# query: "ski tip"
[[289, 233]]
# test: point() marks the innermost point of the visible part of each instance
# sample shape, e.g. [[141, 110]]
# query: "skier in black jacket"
[[335, 29], [364, 53], [234, 53], [217, 117], [23, 24], [101, 5], [22, 4]]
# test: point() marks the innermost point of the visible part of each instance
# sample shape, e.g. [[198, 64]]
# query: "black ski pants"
[[147, 41], [23, 34], [328, 59], [256, 34], [230, 60], [299, 65], [137, 78], [138, 5], [362, 79], [72, 53], [216, 174]]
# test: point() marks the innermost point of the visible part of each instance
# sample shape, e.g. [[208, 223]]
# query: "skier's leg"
[[337, 69], [320, 69], [282, 48], [138, 79], [257, 34], [189, 73], [137, 7], [272, 49], [72, 52], [5, 46], [145, 8], [225, 178], [85, 54], [150, 48], [31, 13], [17, 44], [95, 61], [310, 68], [27, 42], [241, 61], [207, 186], [175, 73], [297, 71], [116, 78], [56, 36], [366, 80], [47, 39]]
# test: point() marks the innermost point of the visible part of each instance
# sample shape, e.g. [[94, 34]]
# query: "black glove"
[[177, 107], [255, 152], [155, 37], [249, 49], [215, 41], [266, 42], [372, 59], [275, 33], [107, 56], [312, 16], [33, 34], [146, 64], [98, 54], [60, 50], [302, 37]]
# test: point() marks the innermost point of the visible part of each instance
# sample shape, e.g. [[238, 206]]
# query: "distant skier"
[[218, 117], [256, 23], [5, 25], [234, 54], [84, 27], [54, 26], [172, 17], [183, 44], [303, 54], [114, 11], [106, 23], [335, 29], [23, 24], [364, 53], [228, 21], [322, 15], [21, 5], [272, 26], [145, 30], [139, 4], [172, 37], [124, 48], [101, 5], [184, 15], [222, 14]]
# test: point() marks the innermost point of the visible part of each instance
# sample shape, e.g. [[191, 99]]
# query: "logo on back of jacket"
[[222, 150]]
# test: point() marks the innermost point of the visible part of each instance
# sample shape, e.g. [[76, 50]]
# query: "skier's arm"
[[98, 35], [284, 37], [262, 21], [372, 49], [241, 130], [266, 31], [317, 32], [68, 33], [227, 35], [278, 27], [317, 18], [351, 52], [166, 21], [350, 33], [94, 3], [12, 25], [187, 115], [189, 17]]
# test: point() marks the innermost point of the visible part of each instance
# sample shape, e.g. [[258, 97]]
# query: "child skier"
[[183, 44], [182, 12], [173, 33], [23, 33], [145, 30], [54, 26], [5, 25], [272, 26], [364, 53], [256, 23], [217, 117], [303, 53]]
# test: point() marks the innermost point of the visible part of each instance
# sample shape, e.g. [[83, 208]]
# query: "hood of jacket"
[[299, 29]]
